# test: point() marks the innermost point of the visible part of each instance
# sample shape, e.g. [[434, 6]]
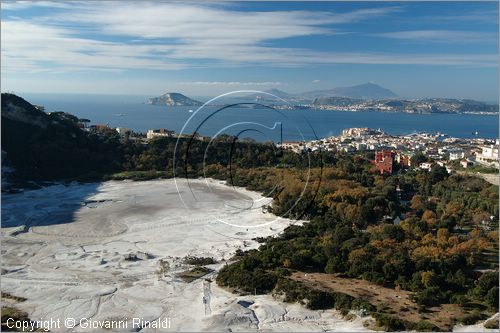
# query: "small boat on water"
[[120, 114]]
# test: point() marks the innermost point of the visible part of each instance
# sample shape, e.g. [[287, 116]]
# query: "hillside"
[[39, 145]]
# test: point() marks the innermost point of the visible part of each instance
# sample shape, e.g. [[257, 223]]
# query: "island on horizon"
[[363, 97]]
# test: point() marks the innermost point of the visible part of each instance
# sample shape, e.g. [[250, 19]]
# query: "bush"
[[472, 318], [425, 326], [245, 276], [491, 298], [491, 324], [17, 315], [459, 299], [199, 261], [429, 296], [486, 282], [390, 323], [320, 300]]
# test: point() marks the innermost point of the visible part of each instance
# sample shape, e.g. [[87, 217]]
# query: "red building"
[[384, 161]]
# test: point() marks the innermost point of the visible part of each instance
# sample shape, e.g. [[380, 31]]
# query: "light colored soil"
[[395, 302], [67, 250]]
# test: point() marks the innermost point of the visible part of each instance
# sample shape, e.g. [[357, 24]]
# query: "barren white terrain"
[[93, 251]]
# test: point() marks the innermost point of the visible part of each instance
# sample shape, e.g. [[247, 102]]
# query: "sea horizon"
[[131, 112]]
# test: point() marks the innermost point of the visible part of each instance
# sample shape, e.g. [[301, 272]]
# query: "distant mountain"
[[259, 97], [279, 93], [362, 91], [173, 99], [368, 91]]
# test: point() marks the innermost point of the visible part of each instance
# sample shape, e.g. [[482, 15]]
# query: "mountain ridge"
[[365, 91], [368, 90]]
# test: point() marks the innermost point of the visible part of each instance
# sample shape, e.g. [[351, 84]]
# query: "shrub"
[[491, 324], [199, 261], [425, 326], [472, 318], [390, 323], [491, 298], [429, 296]]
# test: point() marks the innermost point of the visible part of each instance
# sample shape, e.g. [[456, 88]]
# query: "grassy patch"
[[491, 324], [139, 175], [199, 261], [16, 314], [472, 318], [193, 274], [482, 169]]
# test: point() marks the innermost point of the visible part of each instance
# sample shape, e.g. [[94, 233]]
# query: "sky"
[[416, 49]]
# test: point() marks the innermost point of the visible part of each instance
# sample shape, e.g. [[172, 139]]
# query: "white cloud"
[[33, 47], [17, 5], [232, 83], [452, 36], [316, 81], [105, 36]]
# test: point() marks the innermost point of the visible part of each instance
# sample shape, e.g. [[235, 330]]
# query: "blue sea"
[[258, 123]]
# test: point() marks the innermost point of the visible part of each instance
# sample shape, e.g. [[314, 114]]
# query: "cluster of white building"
[[435, 146], [413, 107], [159, 133]]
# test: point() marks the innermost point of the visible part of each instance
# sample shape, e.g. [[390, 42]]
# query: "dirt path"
[[395, 302]]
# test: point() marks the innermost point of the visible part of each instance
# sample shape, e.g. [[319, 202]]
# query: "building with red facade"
[[384, 161]]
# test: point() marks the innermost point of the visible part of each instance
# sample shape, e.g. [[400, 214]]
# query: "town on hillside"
[[418, 150], [391, 152]]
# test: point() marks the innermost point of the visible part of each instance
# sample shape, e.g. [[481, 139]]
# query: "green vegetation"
[[491, 324], [138, 175], [434, 252], [17, 315], [474, 168], [313, 299], [199, 261], [53, 146], [194, 273]]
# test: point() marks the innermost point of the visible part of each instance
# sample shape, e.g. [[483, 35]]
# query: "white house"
[[159, 133], [488, 156], [426, 166], [456, 154]]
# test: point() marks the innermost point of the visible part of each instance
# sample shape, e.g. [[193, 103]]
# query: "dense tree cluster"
[[446, 231]]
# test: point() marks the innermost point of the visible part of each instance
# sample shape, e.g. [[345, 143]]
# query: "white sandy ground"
[[70, 263]]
